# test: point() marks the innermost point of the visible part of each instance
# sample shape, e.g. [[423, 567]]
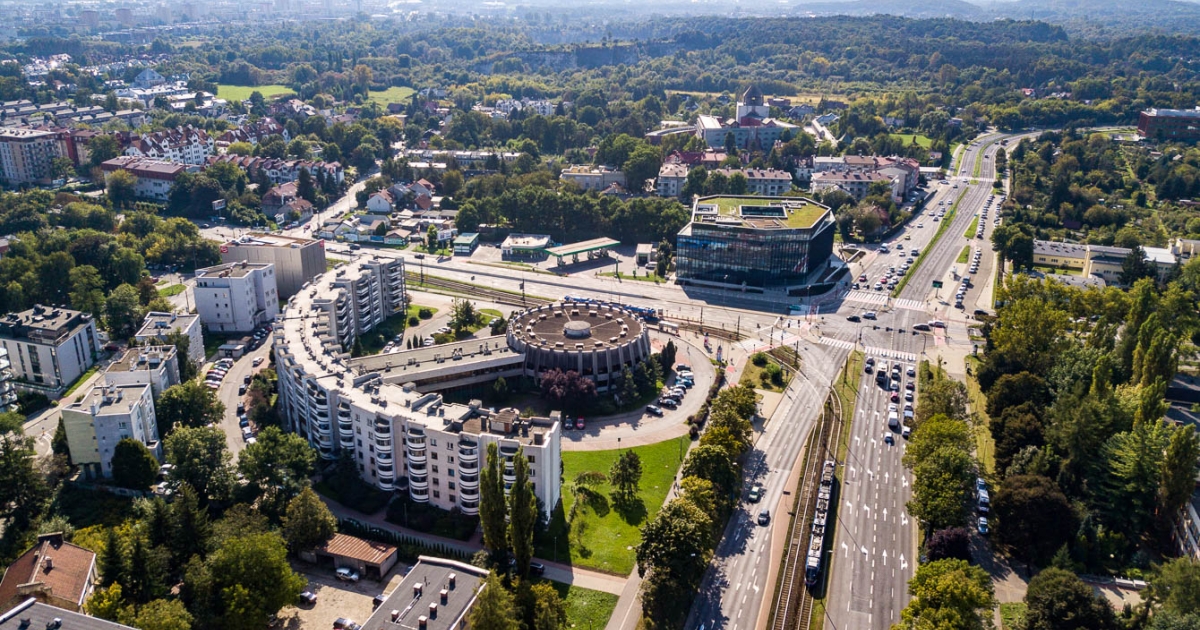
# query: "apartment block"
[[236, 297], [48, 348], [158, 325], [154, 177], [156, 366], [26, 155], [104, 416], [671, 178], [296, 260]]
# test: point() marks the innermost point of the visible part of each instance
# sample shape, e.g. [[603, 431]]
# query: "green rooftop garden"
[[801, 217]]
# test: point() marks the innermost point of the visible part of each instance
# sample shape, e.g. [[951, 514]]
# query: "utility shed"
[[367, 557]]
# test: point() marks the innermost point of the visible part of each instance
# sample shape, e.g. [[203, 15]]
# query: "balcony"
[[418, 482], [510, 475], [470, 508], [417, 457], [383, 446], [383, 457], [346, 440], [415, 442], [468, 483], [385, 483], [422, 496], [468, 467], [468, 455]]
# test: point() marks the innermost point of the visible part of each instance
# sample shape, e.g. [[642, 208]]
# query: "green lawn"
[[642, 277], [603, 537], [1012, 616], [242, 92], [374, 341], [964, 256], [970, 233], [752, 376], [391, 95], [985, 446], [907, 139], [173, 290], [79, 381], [586, 608]]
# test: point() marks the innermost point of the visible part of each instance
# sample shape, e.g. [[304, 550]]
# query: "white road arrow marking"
[[904, 478], [864, 550], [885, 514], [845, 550], [885, 557], [867, 509], [903, 518], [885, 477]]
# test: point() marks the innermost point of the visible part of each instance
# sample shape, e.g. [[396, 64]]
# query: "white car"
[[347, 575]]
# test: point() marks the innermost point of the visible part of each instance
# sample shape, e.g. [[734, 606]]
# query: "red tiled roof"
[[366, 551], [63, 569]]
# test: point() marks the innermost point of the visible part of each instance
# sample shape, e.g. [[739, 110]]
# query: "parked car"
[[983, 525], [668, 402], [257, 361], [755, 494], [307, 598], [853, 318], [346, 574], [654, 410], [580, 424]]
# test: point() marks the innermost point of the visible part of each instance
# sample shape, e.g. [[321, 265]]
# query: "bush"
[[413, 321], [759, 359], [424, 313], [772, 373], [424, 518]]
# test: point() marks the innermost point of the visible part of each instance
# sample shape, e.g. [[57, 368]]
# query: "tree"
[[431, 238], [948, 594], [549, 610], [252, 580], [276, 468], [494, 608], [583, 490], [305, 188], [201, 460], [463, 315], [500, 390], [568, 388], [133, 465], [937, 432], [187, 369], [87, 290], [62, 168], [1128, 493], [715, 464], [163, 614], [943, 395], [1058, 600], [21, 483], [491, 503], [625, 475], [1176, 586], [112, 559], [942, 485], [1135, 267], [642, 165], [952, 543], [672, 556], [452, 182], [1034, 518], [1178, 470], [308, 523], [522, 513], [699, 492], [106, 602], [121, 187], [188, 404], [1011, 390], [123, 312], [189, 525], [102, 148]]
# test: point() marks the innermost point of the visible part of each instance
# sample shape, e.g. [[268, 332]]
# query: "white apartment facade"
[[27, 154], [48, 348], [671, 179], [236, 297], [400, 439], [8, 394], [768, 182], [158, 325], [104, 416], [296, 260], [592, 177]]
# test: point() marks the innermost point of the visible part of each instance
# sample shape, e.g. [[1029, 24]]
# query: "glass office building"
[[754, 241]]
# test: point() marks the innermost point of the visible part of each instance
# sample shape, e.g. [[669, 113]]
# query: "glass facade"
[[737, 254]]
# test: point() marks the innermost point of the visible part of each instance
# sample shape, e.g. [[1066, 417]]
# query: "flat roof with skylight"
[[759, 212]]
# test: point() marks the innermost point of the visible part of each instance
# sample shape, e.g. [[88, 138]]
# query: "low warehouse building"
[[367, 557]]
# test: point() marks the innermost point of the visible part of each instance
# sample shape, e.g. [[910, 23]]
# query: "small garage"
[[369, 558]]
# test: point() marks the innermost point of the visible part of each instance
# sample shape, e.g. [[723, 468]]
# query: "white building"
[[671, 178], [154, 177], [762, 181], [236, 297], [592, 177], [158, 325], [296, 260], [8, 395], [856, 183], [400, 438], [104, 416], [156, 366], [186, 145], [49, 348], [26, 155]]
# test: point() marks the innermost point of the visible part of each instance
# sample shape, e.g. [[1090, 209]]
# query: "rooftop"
[[577, 326], [526, 241], [34, 615], [144, 358], [59, 567], [419, 596], [583, 246], [368, 551], [231, 270], [1055, 248], [110, 400], [760, 212], [270, 240], [42, 323], [158, 323], [1174, 113]]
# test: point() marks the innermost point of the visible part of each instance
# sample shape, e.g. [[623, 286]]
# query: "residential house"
[[148, 78], [189, 145], [253, 133], [592, 177], [856, 183], [762, 181], [154, 177], [236, 297], [671, 178], [49, 347], [157, 326], [52, 572], [381, 202]]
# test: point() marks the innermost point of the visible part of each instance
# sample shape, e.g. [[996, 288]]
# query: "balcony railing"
[[417, 457]]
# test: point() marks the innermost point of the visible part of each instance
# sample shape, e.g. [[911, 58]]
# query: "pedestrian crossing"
[[886, 353], [912, 305], [837, 343], [867, 297]]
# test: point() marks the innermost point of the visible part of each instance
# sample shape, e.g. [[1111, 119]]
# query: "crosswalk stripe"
[[912, 305]]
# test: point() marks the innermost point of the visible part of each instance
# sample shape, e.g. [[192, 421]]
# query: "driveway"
[[228, 395]]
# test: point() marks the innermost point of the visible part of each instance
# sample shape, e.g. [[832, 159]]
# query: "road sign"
[[937, 284]]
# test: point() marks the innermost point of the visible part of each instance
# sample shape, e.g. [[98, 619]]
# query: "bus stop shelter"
[[593, 249]]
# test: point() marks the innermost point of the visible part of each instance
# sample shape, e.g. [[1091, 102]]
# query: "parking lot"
[[335, 599]]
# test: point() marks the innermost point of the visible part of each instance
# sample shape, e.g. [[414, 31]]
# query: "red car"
[[895, 397], [579, 424]]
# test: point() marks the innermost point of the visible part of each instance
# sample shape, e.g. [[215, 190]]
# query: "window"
[[434, 456], [435, 469], [437, 494], [450, 459], [433, 442], [450, 484], [530, 458], [449, 446]]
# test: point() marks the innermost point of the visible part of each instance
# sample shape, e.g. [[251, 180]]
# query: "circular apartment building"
[[595, 340]]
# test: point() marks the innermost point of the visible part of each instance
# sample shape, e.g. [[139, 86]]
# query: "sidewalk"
[[558, 572]]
